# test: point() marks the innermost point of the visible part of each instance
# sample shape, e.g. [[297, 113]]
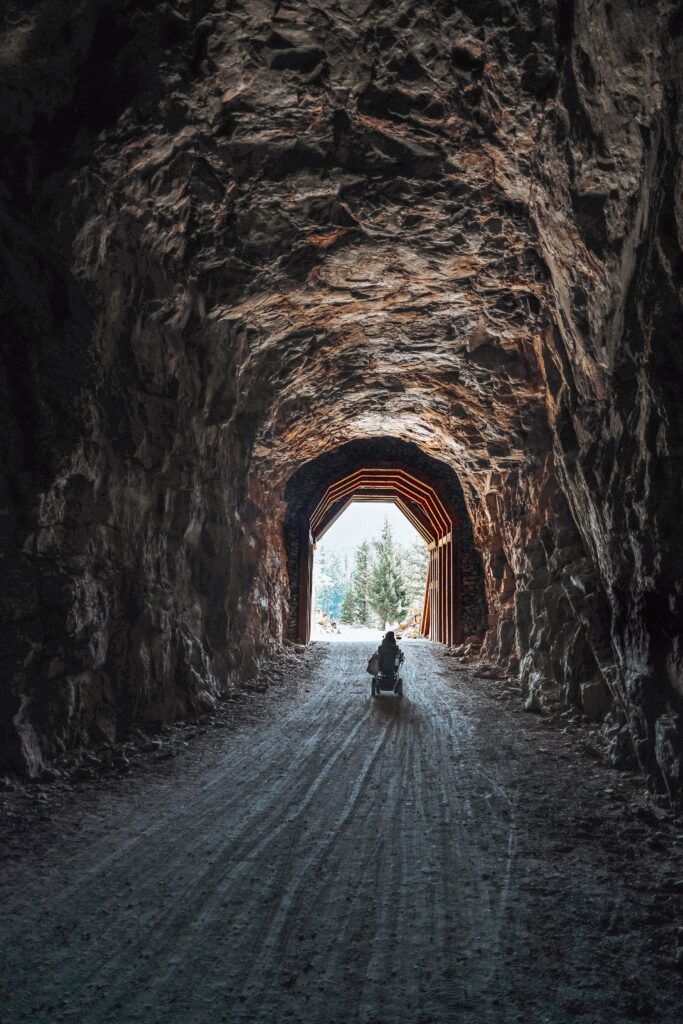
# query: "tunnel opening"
[[426, 491], [370, 572], [420, 503]]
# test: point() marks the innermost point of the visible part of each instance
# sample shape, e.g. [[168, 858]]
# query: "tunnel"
[[260, 259], [239, 240]]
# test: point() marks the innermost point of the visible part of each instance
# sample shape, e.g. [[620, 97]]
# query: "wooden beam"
[[305, 585], [424, 625], [396, 479]]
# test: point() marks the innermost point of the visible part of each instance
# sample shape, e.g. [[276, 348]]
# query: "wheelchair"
[[388, 677]]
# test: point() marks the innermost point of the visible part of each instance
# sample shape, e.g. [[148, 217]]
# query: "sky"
[[363, 520]]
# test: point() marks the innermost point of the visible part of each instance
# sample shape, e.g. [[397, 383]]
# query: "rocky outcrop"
[[237, 236]]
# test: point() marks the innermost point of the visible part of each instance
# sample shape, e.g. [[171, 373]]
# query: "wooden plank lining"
[[423, 508]]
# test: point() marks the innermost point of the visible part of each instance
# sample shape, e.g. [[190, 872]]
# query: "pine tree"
[[387, 593], [331, 584], [414, 567], [348, 608], [360, 583]]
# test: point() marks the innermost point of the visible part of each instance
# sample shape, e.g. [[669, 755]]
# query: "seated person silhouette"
[[390, 655]]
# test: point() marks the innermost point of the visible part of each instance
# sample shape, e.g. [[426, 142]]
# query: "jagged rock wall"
[[135, 556], [237, 235], [609, 162], [551, 621]]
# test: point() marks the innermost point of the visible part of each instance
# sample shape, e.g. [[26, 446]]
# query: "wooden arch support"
[[423, 507]]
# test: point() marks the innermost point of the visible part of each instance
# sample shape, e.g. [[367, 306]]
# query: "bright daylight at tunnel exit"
[[370, 572], [341, 567]]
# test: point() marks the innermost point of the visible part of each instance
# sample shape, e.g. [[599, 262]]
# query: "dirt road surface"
[[441, 858]]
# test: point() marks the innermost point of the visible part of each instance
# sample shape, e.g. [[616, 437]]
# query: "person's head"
[[389, 637]]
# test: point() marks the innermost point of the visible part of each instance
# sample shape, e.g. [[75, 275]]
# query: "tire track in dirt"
[[292, 871], [354, 861], [145, 850], [174, 933], [328, 759]]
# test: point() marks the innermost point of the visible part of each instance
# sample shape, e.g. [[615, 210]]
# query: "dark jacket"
[[387, 656]]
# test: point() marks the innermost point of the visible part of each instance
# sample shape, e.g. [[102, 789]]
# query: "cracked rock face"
[[236, 236]]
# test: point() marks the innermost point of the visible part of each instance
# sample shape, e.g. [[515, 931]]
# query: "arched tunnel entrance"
[[422, 506], [429, 494]]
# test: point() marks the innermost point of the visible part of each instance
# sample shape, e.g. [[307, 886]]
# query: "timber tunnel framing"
[[422, 506], [429, 494]]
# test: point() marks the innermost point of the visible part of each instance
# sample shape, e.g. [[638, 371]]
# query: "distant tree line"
[[374, 586]]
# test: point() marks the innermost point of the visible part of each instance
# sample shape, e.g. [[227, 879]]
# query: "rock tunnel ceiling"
[[237, 236]]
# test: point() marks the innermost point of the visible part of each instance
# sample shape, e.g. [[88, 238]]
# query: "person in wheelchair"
[[384, 667], [390, 655]]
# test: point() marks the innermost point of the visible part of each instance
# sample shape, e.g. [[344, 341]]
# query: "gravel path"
[[440, 858]]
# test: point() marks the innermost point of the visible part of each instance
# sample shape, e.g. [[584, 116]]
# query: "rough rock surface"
[[237, 235]]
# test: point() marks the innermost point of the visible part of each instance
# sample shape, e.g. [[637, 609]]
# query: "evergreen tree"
[[414, 567], [331, 583], [360, 583], [348, 607], [387, 593]]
